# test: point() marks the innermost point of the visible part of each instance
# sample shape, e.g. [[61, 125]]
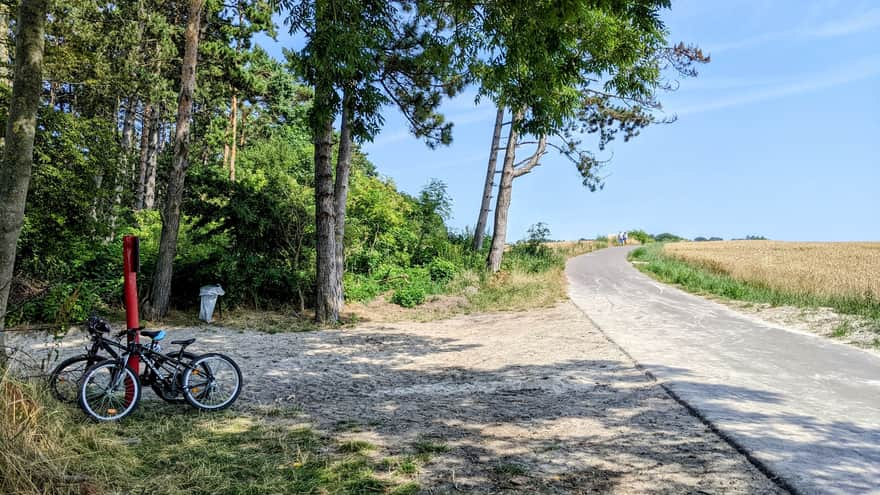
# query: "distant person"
[[625, 237], [620, 238]]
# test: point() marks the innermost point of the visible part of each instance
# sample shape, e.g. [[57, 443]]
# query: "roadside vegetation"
[[806, 275], [48, 448], [532, 276]]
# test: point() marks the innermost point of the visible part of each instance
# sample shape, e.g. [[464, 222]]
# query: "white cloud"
[[864, 69]]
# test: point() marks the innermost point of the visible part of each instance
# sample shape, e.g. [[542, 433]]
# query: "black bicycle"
[[65, 378], [110, 390]]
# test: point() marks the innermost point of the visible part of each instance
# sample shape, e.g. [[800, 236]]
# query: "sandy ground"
[[536, 402]]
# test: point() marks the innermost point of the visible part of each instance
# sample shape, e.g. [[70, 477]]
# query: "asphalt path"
[[804, 408]]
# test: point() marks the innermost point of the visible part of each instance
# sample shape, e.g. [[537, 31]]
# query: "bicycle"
[[110, 390], [65, 377]]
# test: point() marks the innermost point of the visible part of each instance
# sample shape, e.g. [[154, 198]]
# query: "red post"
[[130, 266]]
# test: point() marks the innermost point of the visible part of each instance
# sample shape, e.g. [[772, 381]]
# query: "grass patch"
[[527, 280], [425, 449], [510, 469], [706, 280], [167, 450], [405, 465], [267, 321], [842, 330], [356, 446]]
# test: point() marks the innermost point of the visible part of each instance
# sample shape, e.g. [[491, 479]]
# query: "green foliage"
[[409, 296], [641, 236], [360, 287], [442, 270], [667, 237]]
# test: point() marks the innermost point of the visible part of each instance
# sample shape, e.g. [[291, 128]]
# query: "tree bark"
[[340, 196], [146, 125], [326, 291], [152, 162], [161, 289], [234, 147], [124, 174], [4, 45], [502, 204], [18, 153], [533, 161], [483, 218]]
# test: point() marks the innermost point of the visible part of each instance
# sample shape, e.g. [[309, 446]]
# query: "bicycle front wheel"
[[212, 382], [109, 391]]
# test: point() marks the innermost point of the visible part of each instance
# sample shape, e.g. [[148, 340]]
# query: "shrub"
[[409, 296], [361, 288], [442, 270], [667, 237], [524, 258], [641, 236]]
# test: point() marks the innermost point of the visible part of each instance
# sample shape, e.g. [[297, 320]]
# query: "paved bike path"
[[805, 407]]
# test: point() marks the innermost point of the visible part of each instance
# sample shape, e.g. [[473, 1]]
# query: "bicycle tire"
[[130, 389], [62, 378], [160, 392], [197, 390]]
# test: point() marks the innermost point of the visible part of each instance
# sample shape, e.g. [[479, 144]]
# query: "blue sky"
[[778, 136]]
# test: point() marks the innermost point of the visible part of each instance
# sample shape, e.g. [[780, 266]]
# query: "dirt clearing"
[[530, 402]]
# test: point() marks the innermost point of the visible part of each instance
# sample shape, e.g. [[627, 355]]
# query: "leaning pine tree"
[[566, 70]]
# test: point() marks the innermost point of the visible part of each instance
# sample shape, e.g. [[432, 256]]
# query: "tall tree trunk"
[[482, 219], [18, 153], [124, 174], [245, 113], [502, 204], [340, 195], [146, 125], [326, 290], [234, 147], [152, 162], [161, 289]]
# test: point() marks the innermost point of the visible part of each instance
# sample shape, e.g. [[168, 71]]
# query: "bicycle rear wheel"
[[212, 382], [170, 393], [109, 391], [64, 379]]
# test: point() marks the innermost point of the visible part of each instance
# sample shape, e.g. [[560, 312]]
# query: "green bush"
[[409, 296], [361, 288], [442, 270], [531, 258], [641, 236], [66, 302]]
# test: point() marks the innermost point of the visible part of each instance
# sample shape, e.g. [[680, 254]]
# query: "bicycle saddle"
[[183, 342], [156, 335]]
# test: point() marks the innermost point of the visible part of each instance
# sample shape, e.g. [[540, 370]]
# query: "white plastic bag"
[[209, 295]]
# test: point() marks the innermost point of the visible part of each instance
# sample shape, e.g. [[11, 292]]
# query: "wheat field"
[[834, 269]]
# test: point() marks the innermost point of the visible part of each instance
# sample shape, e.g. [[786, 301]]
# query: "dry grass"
[[47, 448], [39, 452], [825, 269], [517, 287]]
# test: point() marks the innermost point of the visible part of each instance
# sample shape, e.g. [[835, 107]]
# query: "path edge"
[[760, 465]]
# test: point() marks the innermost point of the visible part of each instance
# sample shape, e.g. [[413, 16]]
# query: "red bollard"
[[130, 267]]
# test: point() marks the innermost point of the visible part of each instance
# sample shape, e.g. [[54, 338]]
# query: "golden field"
[[821, 268]]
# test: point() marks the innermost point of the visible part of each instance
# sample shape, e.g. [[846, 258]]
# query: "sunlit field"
[[827, 269]]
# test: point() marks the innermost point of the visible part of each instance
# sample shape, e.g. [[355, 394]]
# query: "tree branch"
[[533, 161]]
